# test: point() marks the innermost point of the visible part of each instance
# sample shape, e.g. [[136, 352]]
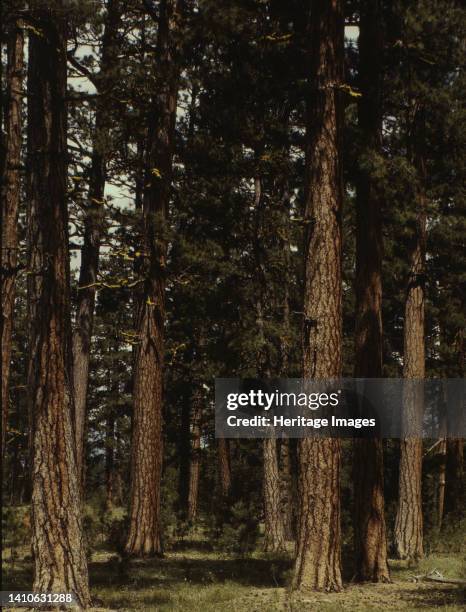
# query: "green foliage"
[[236, 528]]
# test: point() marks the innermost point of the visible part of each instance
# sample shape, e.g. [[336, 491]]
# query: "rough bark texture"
[[370, 538], [195, 456], [11, 183], [318, 563], [224, 465], [93, 226], [146, 454], [60, 563], [274, 536], [408, 523]]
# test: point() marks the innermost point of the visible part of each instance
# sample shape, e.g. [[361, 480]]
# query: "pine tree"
[[195, 455], [93, 226], [369, 520], [318, 564], [146, 455], [60, 563], [408, 524], [223, 446]]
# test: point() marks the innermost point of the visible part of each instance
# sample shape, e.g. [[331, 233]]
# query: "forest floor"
[[193, 578]]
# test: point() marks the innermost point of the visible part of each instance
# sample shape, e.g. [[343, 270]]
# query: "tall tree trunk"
[[285, 463], [60, 563], [274, 536], [370, 537], [93, 226], [11, 185], [274, 539], [224, 465], [318, 563], [146, 454], [195, 456], [408, 524]]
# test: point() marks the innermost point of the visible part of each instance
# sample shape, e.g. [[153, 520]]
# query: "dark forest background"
[[195, 189]]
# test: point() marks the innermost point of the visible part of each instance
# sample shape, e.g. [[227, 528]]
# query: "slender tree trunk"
[[224, 465], [287, 497], [370, 537], [184, 455], [274, 536], [93, 227], [408, 524], [442, 454], [285, 463], [110, 460], [14, 474], [274, 539], [141, 138], [11, 185], [318, 563], [60, 563], [195, 456], [145, 536]]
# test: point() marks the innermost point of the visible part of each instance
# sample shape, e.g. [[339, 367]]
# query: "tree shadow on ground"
[[167, 572], [437, 597]]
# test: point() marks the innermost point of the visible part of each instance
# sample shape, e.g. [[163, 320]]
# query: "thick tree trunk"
[[408, 532], [146, 454], [224, 466], [93, 226], [274, 536], [318, 564], [11, 184], [370, 538], [408, 524], [195, 456], [60, 563]]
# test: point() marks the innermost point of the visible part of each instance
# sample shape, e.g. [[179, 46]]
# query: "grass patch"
[[193, 578]]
